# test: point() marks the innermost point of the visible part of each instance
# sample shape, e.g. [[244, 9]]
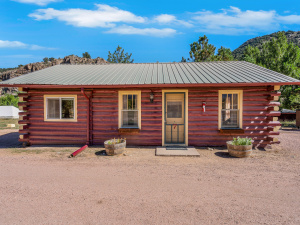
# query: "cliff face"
[[31, 67], [292, 36]]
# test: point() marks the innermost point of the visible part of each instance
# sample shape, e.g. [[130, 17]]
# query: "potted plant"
[[115, 146], [240, 147]]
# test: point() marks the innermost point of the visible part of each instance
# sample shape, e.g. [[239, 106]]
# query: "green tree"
[[46, 60], [183, 59], [51, 59], [251, 54], [8, 100], [86, 55], [202, 51], [282, 57], [119, 56], [224, 54]]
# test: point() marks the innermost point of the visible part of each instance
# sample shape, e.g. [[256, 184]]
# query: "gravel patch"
[[41, 185]]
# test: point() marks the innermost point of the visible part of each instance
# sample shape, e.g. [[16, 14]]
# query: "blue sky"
[[151, 30]]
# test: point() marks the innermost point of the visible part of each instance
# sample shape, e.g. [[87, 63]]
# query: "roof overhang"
[[150, 85]]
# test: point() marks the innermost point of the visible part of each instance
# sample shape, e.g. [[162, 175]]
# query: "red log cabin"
[[158, 104]]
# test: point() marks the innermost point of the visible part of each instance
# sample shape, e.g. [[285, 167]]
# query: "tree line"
[[118, 56], [277, 54]]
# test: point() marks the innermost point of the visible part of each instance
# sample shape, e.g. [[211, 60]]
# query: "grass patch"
[[4, 122], [39, 151], [19, 150], [288, 123]]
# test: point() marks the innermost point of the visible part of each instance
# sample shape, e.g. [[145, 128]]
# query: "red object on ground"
[[78, 151]]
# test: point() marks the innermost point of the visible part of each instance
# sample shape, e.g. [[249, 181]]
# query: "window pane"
[[224, 97], [67, 108], [53, 108], [134, 101], [235, 101], [229, 102], [174, 109], [230, 118], [125, 101], [130, 118], [129, 102]]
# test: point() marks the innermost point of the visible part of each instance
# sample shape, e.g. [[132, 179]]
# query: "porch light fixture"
[[151, 97]]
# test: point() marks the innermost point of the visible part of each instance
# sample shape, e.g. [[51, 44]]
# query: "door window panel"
[[174, 109]]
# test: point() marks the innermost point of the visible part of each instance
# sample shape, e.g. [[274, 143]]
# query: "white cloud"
[[37, 2], [104, 16], [165, 32], [170, 19], [165, 18], [21, 45], [235, 20], [291, 19], [230, 21], [12, 44]]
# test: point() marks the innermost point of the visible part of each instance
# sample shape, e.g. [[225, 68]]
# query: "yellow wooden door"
[[174, 118]]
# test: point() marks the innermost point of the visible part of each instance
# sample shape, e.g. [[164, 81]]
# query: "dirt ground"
[[41, 185]]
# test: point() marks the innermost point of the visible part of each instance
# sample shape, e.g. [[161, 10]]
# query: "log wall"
[[259, 110], [259, 118], [38, 131], [105, 118]]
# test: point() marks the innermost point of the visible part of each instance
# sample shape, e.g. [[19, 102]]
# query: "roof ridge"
[[68, 64]]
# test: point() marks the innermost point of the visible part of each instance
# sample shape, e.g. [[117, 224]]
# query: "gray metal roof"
[[152, 73]]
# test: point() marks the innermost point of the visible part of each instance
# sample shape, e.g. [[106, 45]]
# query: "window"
[[230, 109], [60, 108], [129, 109], [174, 109]]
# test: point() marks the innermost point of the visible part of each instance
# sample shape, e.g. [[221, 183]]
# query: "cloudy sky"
[[153, 30]]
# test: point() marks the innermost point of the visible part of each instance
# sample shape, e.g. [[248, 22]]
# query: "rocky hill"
[[292, 36], [31, 67]]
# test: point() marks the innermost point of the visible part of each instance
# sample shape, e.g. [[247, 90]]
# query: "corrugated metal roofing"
[[152, 73]]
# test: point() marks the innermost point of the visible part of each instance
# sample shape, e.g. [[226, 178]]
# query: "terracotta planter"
[[239, 151], [114, 149]]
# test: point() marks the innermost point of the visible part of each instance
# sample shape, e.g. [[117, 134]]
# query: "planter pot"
[[114, 149], [239, 151]]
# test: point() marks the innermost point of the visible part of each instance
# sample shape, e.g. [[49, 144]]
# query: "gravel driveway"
[[43, 186]]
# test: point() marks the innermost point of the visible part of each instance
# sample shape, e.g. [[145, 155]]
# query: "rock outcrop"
[[31, 67]]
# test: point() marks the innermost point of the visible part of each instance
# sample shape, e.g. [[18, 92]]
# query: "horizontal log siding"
[[46, 132], [105, 119], [203, 126]]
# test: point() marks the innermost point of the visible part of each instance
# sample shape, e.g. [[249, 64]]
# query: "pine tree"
[[119, 56]]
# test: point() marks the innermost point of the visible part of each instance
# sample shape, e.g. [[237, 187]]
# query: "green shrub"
[[242, 141], [115, 141], [8, 100], [288, 123]]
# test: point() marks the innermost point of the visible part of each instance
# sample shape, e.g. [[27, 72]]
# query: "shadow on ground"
[[10, 140], [290, 129], [101, 153], [223, 155]]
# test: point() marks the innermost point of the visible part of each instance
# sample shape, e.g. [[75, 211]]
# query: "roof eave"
[[150, 85]]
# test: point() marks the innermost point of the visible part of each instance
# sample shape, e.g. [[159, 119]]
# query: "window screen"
[[60, 108], [174, 109], [53, 111], [230, 111], [130, 111]]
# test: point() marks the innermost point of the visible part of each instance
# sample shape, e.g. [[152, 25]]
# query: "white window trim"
[[138, 93], [60, 97], [240, 107]]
